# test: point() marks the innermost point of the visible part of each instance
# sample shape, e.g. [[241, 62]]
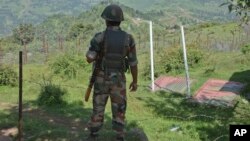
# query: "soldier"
[[112, 52]]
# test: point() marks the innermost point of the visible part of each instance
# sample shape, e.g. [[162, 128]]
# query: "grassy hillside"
[[161, 115], [154, 114]]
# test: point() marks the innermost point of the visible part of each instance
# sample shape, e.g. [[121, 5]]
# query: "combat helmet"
[[113, 13]]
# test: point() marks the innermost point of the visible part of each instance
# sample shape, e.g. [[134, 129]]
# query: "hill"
[[185, 11], [14, 12], [56, 62]]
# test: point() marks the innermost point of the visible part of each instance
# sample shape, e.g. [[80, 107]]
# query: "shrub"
[[69, 65], [51, 94], [245, 49], [8, 76], [173, 60]]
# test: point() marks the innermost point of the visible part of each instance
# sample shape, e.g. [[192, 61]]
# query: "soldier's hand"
[[133, 87]]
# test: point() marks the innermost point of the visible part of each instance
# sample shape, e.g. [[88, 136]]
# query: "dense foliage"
[[240, 7], [68, 65], [8, 76], [24, 34], [245, 49], [79, 29], [173, 58]]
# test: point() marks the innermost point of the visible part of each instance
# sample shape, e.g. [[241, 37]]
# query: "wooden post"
[[20, 127]]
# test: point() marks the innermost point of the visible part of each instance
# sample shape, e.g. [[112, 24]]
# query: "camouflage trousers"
[[113, 86]]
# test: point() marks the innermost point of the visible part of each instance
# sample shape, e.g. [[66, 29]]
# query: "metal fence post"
[[185, 61], [152, 55]]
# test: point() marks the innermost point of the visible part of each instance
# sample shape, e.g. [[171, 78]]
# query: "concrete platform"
[[172, 84], [218, 92]]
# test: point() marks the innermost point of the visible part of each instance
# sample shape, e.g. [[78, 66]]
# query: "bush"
[[69, 65], [8, 76], [245, 49], [51, 94], [173, 60]]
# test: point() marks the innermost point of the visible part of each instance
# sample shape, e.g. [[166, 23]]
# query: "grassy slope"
[[155, 113]]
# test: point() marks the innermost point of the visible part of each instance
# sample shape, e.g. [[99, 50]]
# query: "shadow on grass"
[[243, 77], [209, 122], [62, 122]]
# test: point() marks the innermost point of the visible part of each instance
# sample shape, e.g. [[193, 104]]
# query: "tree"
[[79, 29], [240, 7], [23, 35]]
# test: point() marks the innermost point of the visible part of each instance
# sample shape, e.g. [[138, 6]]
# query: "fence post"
[[20, 130], [185, 61], [151, 56]]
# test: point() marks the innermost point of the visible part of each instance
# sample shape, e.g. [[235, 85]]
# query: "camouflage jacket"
[[96, 46]]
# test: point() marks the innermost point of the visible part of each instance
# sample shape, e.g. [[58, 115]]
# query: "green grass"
[[155, 114]]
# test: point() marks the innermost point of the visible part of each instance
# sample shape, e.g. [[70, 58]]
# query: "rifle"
[[96, 68], [91, 83]]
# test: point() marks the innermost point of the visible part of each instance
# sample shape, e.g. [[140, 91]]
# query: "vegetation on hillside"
[[182, 11], [15, 12], [56, 76]]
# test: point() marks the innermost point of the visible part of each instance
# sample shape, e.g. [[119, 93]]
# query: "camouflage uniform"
[[111, 84]]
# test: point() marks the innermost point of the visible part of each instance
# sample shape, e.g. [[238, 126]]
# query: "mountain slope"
[[185, 11], [166, 12], [13, 12]]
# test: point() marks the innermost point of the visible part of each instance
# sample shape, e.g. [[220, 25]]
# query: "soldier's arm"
[[134, 72], [133, 66], [91, 55], [132, 60]]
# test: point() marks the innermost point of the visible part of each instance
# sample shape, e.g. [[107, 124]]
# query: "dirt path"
[[6, 134], [73, 125]]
